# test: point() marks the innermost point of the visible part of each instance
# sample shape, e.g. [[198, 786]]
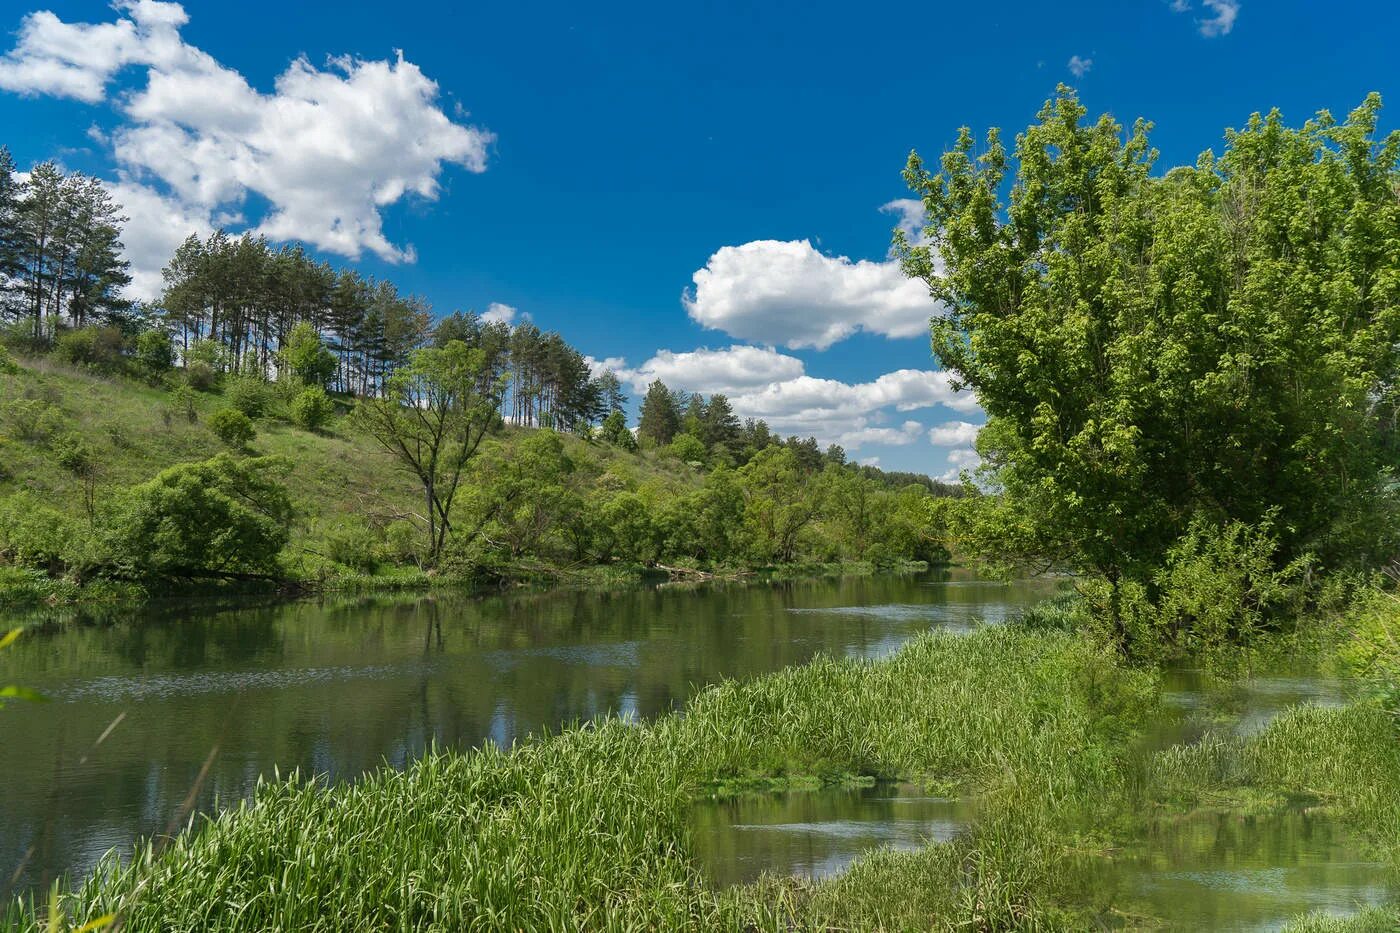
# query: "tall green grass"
[[588, 828]]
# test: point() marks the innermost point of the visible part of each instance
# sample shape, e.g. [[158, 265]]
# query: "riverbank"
[[1049, 734], [30, 597]]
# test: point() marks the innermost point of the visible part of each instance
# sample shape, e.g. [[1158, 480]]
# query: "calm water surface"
[[141, 703]]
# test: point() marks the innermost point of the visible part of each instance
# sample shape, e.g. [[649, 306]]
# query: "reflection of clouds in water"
[[915, 831], [818, 834], [880, 648], [165, 686], [1261, 700], [620, 654], [945, 613]]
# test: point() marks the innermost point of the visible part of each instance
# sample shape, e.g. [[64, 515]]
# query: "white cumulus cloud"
[[497, 313], [732, 370], [787, 293], [327, 150], [764, 383], [954, 434], [1079, 67], [958, 461]]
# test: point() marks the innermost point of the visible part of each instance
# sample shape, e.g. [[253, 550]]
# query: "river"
[[161, 713], [141, 703]]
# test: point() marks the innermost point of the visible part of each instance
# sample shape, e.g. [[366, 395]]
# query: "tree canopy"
[[1214, 343]]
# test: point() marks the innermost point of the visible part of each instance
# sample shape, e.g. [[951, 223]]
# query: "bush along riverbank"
[[1047, 732]]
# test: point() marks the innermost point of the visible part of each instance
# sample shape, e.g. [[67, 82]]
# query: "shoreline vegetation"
[[588, 827], [1191, 380]]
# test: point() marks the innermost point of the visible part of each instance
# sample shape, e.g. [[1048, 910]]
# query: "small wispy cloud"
[[1219, 19], [1223, 19], [1079, 67]]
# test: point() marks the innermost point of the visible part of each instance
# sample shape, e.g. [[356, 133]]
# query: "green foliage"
[[220, 517], [35, 534], [777, 507], [522, 501], [687, 448], [660, 416], [8, 366], [353, 543], [1154, 349], [312, 408], [200, 376], [1222, 585], [233, 428], [436, 412], [615, 432], [1371, 651], [307, 358], [155, 353], [31, 420], [95, 347], [182, 404], [708, 524], [247, 394], [626, 530]]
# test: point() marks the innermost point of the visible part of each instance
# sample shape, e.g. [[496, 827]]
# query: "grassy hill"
[[339, 479]]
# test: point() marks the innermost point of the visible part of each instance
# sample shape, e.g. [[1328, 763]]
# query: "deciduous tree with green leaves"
[[433, 418], [1216, 341]]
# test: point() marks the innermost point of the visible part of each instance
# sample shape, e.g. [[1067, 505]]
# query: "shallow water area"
[[817, 834], [1225, 872], [1230, 872], [139, 701]]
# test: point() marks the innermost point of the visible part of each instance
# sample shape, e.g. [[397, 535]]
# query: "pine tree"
[[660, 416]]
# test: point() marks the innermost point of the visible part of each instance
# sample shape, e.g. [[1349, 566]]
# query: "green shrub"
[[155, 354], [307, 358], [232, 427], [93, 347], [1221, 584], [21, 418], [181, 404], [34, 534], [74, 454], [8, 366], [614, 431], [312, 408], [118, 437], [200, 376], [247, 394], [224, 515], [1372, 650], [353, 543], [687, 448], [401, 541]]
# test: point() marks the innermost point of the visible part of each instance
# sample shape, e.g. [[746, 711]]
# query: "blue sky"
[[691, 191]]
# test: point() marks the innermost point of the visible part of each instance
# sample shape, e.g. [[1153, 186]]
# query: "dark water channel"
[[139, 703]]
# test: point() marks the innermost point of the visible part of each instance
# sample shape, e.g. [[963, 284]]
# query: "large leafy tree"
[[433, 418], [1217, 342]]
